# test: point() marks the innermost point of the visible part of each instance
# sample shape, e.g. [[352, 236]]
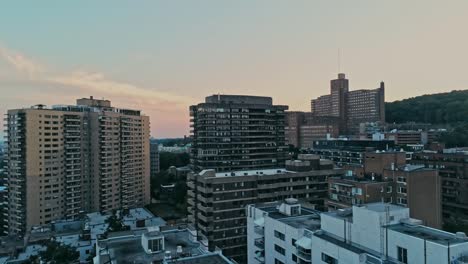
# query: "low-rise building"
[[348, 152], [81, 234], [376, 233], [453, 171], [156, 245], [411, 186], [347, 191]]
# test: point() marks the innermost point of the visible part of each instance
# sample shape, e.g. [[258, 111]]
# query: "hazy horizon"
[[161, 57]]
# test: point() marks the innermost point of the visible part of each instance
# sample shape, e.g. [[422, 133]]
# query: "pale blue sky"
[[161, 56]]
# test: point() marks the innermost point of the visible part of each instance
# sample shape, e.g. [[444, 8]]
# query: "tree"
[[115, 223], [58, 254], [168, 159]]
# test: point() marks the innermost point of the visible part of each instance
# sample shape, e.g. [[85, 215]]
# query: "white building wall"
[[252, 215], [270, 240], [436, 253], [332, 225], [320, 246], [367, 225]]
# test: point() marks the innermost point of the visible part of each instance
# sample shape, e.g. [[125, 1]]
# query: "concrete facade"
[[375, 233], [236, 132], [217, 200], [66, 161]]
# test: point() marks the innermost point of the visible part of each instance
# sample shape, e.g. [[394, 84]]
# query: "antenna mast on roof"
[[339, 60]]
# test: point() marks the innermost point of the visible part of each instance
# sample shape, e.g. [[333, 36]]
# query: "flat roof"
[[252, 172], [308, 218], [429, 234], [383, 207], [127, 248], [204, 259]]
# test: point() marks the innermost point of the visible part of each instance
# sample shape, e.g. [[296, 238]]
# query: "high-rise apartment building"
[[67, 160], [352, 107], [154, 158], [236, 132], [217, 200]]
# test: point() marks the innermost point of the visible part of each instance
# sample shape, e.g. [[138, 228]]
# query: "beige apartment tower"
[[68, 160]]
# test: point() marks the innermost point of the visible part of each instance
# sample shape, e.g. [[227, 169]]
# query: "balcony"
[[260, 257], [260, 243], [259, 230], [303, 248]]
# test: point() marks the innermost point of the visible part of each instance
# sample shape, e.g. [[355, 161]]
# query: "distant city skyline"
[[162, 57]]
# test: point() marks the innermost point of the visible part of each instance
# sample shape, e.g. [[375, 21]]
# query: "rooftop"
[[126, 247], [308, 218], [383, 207], [430, 234], [252, 172], [214, 258]]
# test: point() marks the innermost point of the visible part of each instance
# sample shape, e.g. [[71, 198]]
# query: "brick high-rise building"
[[352, 107], [67, 160], [237, 132], [154, 158], [303, 128]]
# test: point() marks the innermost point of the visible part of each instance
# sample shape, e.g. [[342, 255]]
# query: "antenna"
[[339, 60]]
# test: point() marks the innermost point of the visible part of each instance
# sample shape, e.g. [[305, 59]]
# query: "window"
[[279, 235], [356, 191], [293, 242], [402, 201], [155, 245], [401, 179], [295, 210], [401, 190], [280, 250], [294, 258], [277, 261], [402, 255], [328, 259]]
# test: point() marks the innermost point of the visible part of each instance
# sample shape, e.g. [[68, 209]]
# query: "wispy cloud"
[[97, 82], [168, 111], [21, 63]]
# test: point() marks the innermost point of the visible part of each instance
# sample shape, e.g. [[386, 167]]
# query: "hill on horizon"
[[441, 108]]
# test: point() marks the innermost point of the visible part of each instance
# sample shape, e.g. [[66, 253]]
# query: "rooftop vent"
[[291, 201], [461, 235]]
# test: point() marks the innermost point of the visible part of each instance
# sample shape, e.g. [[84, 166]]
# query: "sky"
[[163, 56]]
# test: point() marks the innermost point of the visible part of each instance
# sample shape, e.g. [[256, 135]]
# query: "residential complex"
[[302, 129], [453, 170], [351, 107], [158, 245], [372, 233], [279, 232], [67, 160], [217, 200], [348, 152], [235, 132], [415, 187]]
